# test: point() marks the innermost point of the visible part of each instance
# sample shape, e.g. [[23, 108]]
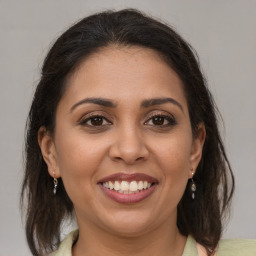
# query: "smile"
[[128, 188]]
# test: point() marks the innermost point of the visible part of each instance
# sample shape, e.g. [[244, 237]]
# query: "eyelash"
[[170, 119], [86, 120]]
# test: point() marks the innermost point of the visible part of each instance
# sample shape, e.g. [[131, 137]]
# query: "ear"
[[197, 148], [46, 143]]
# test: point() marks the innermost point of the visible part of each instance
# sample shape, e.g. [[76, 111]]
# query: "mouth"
[[128, 188]]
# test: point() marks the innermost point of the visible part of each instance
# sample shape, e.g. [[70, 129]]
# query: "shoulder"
[[237, 247], [65, 247]]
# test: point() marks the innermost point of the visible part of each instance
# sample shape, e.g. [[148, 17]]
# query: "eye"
[[95, 121], [161, 120]]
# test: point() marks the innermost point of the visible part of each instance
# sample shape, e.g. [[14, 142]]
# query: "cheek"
[[78, 158], [173, 157], [174, 154]]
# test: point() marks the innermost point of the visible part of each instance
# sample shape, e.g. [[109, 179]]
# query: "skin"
[[128, 140]]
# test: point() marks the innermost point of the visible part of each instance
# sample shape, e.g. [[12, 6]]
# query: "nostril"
[[128, 160], [118, 158], [128, 151]]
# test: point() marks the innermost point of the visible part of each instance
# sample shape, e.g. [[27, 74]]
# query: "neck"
[[164, 240]]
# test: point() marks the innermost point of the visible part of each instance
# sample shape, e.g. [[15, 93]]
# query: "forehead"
[[124, 73]]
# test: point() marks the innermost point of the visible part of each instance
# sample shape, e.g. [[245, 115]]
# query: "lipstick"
[[128, 188], [129, 177]]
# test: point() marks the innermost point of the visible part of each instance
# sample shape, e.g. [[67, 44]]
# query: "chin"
[[128, 224]]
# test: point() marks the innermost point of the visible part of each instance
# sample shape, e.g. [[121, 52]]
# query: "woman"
[[123, 132]]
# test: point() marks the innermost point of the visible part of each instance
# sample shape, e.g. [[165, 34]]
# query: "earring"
[[193, 186], [55, 184]]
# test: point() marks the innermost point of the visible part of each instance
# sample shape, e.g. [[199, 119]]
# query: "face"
[[123, 144]]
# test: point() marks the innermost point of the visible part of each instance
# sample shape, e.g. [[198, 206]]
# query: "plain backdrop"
[[222, 31]]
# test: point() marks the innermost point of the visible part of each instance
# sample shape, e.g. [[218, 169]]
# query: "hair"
[[202, 218]]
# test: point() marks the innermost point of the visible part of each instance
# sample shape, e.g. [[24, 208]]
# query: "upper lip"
[[128, 177]]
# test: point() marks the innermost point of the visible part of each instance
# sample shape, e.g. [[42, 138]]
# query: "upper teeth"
[[127, 187]]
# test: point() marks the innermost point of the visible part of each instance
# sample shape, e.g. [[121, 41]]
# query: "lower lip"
[[128, 198]]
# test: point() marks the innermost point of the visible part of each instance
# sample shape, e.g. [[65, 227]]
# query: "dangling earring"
[[55, 184], [193, 186]]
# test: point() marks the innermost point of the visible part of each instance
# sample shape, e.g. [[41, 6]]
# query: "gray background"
[[223, 33]]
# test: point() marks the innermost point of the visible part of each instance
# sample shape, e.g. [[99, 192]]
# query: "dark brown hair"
[[203, 217]]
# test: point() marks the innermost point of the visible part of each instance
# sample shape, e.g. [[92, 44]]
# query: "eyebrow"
[[97, 101], [145, 103], [160, 101]]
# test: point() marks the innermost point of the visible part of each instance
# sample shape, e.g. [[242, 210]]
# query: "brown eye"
[[96, 121], [161, 120], [158, 120]]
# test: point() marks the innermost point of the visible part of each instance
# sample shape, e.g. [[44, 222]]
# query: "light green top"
[[227, 247]]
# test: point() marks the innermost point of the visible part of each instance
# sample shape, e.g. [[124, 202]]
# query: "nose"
[[128, 146]]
